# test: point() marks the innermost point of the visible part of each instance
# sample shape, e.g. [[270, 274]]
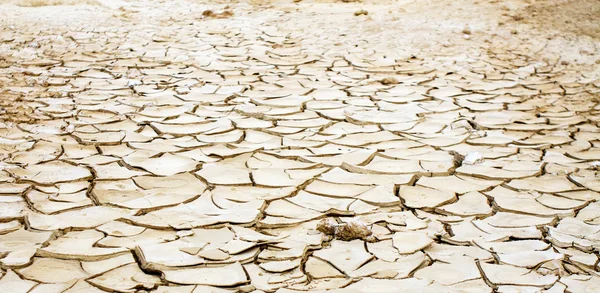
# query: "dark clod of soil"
[[361, 12], [346, 231], [389, 81], [210, 13]]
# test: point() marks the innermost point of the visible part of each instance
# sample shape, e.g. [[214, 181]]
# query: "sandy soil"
[[579, 17]]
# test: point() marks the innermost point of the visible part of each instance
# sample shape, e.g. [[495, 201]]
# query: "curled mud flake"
[[457, 158], [346, 231], [473, 158]]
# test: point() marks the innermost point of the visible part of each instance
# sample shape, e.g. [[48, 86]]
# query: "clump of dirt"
[[466, 30], [361, 12], [518, 17], [327, 226], [346, 231], [576, 16], [389, 81], [212, 14]]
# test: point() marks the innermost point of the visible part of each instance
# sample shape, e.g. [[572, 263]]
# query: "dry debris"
[[466, 30], [222, 14], [347, 231], [389, 81], [361, 12]]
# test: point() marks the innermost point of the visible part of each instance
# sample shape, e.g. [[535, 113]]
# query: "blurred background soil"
[[580, 17]]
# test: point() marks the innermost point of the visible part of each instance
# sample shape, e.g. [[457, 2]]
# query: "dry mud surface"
[[374, 147]]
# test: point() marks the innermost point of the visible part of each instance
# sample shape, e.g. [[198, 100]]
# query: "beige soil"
[[299, 146]]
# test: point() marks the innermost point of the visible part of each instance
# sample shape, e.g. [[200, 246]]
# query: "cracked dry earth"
[[148, 147]]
